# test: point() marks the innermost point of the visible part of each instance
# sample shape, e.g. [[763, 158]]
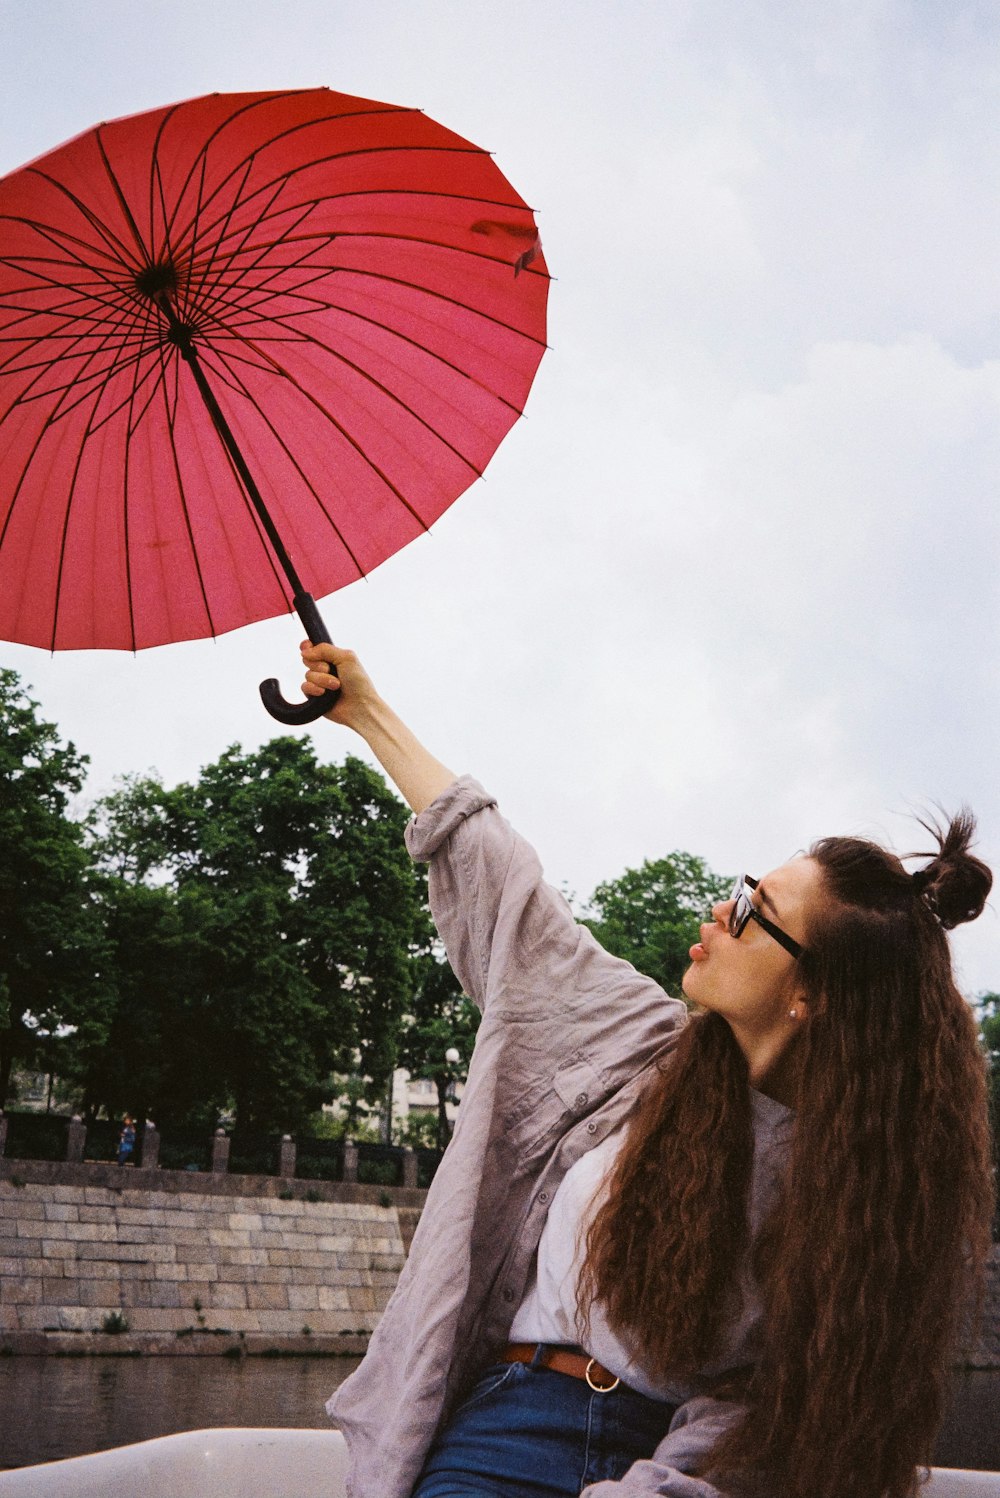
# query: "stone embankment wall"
[[203, 1263], [187, 1259]]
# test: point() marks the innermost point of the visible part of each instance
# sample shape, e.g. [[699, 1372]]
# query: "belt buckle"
[[599, 1388]]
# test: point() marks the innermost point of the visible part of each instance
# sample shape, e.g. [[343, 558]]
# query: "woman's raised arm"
[[419, 777]]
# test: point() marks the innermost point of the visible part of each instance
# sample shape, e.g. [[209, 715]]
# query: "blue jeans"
[[529, 1432]]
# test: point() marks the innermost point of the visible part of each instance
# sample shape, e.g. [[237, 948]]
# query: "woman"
[[681, 1257]]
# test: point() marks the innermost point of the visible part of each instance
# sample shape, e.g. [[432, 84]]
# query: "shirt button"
[[591, 1127], [543, 1197], [581, 1100], [508, 1296]]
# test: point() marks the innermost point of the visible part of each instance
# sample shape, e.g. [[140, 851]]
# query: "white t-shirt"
[[548, 1312]]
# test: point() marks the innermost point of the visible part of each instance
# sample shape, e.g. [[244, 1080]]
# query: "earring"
[[793, 1013]]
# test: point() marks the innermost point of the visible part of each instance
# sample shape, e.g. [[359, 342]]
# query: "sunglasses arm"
[[310, 708]]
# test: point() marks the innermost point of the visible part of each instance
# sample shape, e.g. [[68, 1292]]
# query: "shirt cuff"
[[425, 833]]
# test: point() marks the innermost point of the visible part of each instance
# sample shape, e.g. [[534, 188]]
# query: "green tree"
[[650, 915], [442, 1018], [160, 1057], [52, 952], [299, 908], [988, 1010], [988, 1013]]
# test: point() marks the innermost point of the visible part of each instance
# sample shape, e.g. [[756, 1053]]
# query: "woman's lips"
[[697, 952]]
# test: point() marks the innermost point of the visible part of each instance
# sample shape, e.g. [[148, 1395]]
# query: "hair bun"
[[955, 884]]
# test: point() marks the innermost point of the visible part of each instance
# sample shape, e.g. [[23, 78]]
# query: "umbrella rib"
[[151, 374], [145, 252], [326, 237], [260, 250], [414, 192], [23, 475], [318, 303], [530, 229], [62, 238], [63, 408], [122, 304], [28, 397], [157, 376], [351, 441], [24, 263], [237, 384], [65, 533], [389, 395], [119, 249], [436, 244], [430, 292], [190, 290], [25, 398], [82, 287], [356, 151], [170, 415], [270, 140], [202, 155], [134, 362], [238, 275], [214, 249], [251, 508], [26, 343], [415, 343], [108, 336], [129, 430], [167, 117], [440, 296]]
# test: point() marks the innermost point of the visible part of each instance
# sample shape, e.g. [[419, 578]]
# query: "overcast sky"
[[731, 584]]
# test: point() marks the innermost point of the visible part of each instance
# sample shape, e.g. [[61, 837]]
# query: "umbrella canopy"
[[360, 292]]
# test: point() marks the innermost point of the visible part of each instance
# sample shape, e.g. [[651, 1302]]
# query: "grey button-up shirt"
[[568, 1038]]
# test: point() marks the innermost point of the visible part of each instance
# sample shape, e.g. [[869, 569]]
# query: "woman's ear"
[[798, 1008]]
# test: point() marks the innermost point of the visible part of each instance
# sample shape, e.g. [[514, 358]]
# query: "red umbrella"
[[250, 346]]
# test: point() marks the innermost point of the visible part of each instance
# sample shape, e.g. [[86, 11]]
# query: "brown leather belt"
[[569, 1360]]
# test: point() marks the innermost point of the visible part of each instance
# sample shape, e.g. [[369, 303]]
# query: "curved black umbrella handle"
[[310, 708]]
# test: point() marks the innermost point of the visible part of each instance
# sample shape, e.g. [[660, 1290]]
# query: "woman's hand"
[[420, 777], [329, 666]]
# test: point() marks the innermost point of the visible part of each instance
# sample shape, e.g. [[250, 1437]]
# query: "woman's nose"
[[720, 912]]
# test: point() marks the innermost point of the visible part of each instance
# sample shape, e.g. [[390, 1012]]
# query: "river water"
[[57, 1407]]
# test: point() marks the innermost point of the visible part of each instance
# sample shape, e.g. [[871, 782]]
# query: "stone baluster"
[[350, 1160], [3, 1132], [220, 1152], [150, 1146], [286, 1157], [76, 1138], [409, 1165]]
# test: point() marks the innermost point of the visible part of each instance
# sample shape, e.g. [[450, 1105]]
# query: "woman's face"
[[751, 980]]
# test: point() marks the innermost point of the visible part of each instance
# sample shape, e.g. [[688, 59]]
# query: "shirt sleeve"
[[507, 933], [694, 1430]]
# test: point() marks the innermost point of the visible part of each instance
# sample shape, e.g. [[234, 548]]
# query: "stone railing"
[[400, 1166]]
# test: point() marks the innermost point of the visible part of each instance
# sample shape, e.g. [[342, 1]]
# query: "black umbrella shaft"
[[181, 337]]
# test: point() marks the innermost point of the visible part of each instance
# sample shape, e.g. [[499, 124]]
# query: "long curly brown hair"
[[875, 1250]]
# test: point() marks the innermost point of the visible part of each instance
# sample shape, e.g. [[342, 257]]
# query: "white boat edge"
[[270, 1463]]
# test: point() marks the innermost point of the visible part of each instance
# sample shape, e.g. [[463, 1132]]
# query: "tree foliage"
[[650, 915], [52, 950], [442, 1018], [281, 909], [988, 1013]]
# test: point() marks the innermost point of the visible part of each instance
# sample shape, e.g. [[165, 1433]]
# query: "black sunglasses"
[[745, 910]]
